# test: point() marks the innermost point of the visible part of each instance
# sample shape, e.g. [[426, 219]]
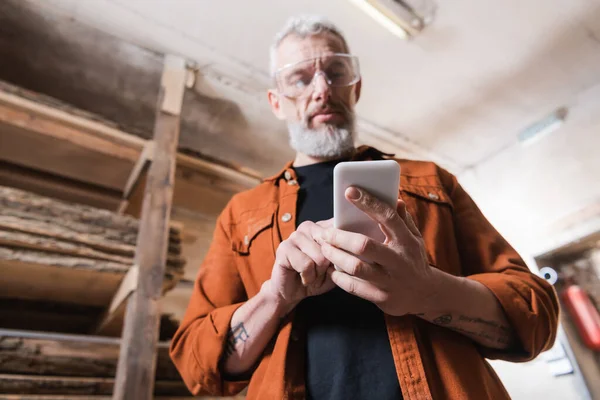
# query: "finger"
[[302, 264], [412, 226], [349, 263], [384, 214], [312, 230], [407, 218], [359, 245], [328, 223], [312, 249], [356, 286], [401, 208]]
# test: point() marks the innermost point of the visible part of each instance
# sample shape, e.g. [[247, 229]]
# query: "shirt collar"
[[361, 153]]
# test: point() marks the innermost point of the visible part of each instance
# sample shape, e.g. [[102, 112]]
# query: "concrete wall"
[[533, 194]]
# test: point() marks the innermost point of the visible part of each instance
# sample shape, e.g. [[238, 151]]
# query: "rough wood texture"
[[44, 243], [24, 384], [75, 234], [53, 251], [78, 218], [88, 397], [35, 136], [11, 256], [137, 360], [44, 282], [16, 239], [57, 187], [77, 356]]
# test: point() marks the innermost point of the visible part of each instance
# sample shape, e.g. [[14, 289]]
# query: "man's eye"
[[299, 81], [300, 84], [337, 72]]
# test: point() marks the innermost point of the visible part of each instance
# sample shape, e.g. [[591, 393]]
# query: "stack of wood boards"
[[71, 367], [54, 252]]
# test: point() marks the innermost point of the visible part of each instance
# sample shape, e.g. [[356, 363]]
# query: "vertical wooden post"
[[137, 357]]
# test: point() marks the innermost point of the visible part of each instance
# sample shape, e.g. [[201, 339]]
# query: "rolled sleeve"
[[198, 345], [530, 305], [198, 350], [529, 302]]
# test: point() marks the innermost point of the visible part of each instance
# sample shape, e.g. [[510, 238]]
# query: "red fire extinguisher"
[[584, 313]]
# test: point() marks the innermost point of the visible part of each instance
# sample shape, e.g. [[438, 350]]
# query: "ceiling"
[[458, 93]]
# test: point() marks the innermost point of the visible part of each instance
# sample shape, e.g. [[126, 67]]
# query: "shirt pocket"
[[252, 240], [431, 209], [246, 232]]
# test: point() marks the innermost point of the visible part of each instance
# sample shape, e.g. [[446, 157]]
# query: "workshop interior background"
[[504, 94]]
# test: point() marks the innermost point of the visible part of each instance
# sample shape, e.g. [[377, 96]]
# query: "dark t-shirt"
[[348, 353]]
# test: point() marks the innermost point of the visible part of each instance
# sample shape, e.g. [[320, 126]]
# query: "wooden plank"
[[16, 98], [56, 148], [140, 168], [42, 281], [26, 241], [58, 187], [93, 162], [13, 255], [137, 360], [111, 323], [47, 315], [128, 285], [116, 309], [60, 385], [69, 355], [88, 397], [172, 82], [79, 218], [43, 243], [8, 223], [85, 139]]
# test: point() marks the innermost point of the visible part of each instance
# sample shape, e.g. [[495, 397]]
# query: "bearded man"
[[444, 291]]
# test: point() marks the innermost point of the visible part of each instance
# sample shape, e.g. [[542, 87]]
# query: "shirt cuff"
[[530, 306]]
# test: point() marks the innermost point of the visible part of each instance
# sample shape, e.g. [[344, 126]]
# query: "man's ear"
[[357, 90], [275, 104]]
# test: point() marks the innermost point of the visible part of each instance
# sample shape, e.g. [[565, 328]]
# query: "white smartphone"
[[380, 178]]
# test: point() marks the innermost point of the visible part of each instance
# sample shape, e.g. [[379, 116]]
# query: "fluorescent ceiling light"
[[381, 18], [543, 127], [404, 18]]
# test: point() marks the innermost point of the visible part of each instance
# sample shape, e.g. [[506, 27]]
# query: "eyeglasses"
[[338, 70]]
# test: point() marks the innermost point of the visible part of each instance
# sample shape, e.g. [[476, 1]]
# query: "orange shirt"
[[432, 362]]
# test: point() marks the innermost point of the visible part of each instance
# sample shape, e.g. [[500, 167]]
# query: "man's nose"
[[322, 90]]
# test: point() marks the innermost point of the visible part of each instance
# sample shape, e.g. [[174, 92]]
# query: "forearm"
[[468, 307], [252, 327]]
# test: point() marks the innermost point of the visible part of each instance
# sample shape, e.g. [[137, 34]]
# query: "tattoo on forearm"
[[484, 322], [443, 319], [500, 336], [236, 335], [501, 339]]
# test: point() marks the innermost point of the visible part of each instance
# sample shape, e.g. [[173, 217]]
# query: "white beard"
[[327, 141]]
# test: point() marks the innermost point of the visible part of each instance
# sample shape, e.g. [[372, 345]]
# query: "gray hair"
[[303, 26]]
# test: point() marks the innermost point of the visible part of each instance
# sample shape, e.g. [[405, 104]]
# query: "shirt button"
[[292, 182], [286, 217], [433, 196], [287, 175]]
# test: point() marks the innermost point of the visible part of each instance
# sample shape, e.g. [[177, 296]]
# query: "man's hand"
[[397, 274], [400, 281], [300, 269]]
